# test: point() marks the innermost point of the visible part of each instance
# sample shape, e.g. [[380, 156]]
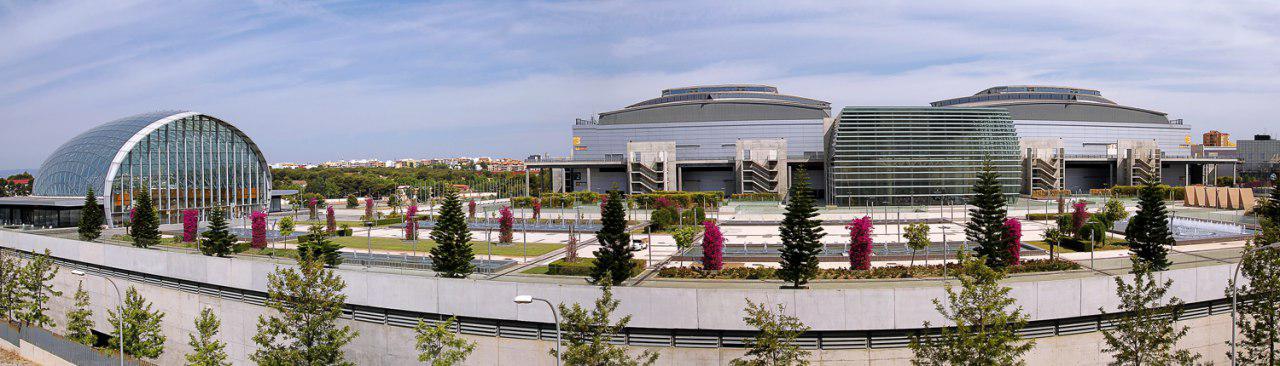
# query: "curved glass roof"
[[83, 161]]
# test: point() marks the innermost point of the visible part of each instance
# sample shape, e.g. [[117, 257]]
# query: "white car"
[[638, 245]]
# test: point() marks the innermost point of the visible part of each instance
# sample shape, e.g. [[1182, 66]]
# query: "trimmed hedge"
[[1046, 216], [934, 270], [1178, 193], [684, 199], [558, 200], [1049, 193], [582, 267], [759, 196]]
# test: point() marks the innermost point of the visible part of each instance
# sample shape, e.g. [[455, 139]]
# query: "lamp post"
[[1235, 291], [120, 308], [526, 299]]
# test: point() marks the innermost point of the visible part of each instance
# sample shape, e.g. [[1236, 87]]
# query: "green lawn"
[[538, 270], [1111, 244], [480, 248]]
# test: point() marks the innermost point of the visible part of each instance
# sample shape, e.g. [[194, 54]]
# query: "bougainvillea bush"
[[505, 225], [190, 220], [368, 209], [259, 223], [926, 271], [537, 208], [1079, 216], [311, 207], [712, 246], [330, 222], [1013, 233], [860, 243], [471, 209], [411, 223]]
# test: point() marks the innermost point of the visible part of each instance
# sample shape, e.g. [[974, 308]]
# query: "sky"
[[319, 81]]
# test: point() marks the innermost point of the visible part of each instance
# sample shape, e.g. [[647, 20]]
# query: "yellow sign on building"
[[577, 140]]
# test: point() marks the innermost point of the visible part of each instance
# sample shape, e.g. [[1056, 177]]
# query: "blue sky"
[[316, 81]]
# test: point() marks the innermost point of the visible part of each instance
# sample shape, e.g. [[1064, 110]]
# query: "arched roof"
[[90, 158]]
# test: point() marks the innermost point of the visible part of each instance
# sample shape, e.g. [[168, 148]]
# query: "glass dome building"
[[186, 160]]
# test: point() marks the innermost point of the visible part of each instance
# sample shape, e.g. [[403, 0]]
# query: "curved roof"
[[725, 102], [1034, 102], [90, 158]]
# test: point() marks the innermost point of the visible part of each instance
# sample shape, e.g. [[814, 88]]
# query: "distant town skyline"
[[317, 82]]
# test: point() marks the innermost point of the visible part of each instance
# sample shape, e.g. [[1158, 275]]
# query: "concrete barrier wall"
[[906, 307]]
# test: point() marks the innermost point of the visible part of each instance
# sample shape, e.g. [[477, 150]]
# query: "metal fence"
[[72, 352]]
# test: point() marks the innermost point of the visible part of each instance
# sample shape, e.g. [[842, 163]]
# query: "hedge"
[[1132, 191], [1046, 216], [933, 270], [1049, 193], [759, 196], [558, 200], [583, 266], [684, 199]]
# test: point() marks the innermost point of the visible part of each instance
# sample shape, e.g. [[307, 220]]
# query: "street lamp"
[[119, 304], [526, 299], [1235, 291]]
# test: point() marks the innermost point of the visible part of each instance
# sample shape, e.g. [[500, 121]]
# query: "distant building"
[[1261, 156], [1216, 138]]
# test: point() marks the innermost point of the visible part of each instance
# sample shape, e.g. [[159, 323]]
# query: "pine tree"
[[986, 219], [146, 226], [588, 334], [801, 234], [303, 329], [35, 289], [80, 320], [205, 350], [91, 218], [986, 322], [1148, 232], [1259, 319], [1145, 333], [218, 240], [316, 246], [775, 340], [438, 345], [452, 255], [142, 334], [613, 259]]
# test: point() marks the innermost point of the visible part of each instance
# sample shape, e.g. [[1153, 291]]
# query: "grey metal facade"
[[1260, 156], [698, 140]]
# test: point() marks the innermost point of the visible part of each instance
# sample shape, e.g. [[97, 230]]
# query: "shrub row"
[[759, 196], [558, 200], [1046, 216], [582, 267], [933, 270], [1166, 191], [1049, 193], [684, 199]]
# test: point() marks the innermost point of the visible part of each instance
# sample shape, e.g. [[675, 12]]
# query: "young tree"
[[860, 243], [80, 319], [352, 202], [985, 228], [1148, 232], [35, 289], [206, 351], [452, 255], [506, 225], [393, 201], [439, 346], [588, 332], [286, 226], [917, 236], [218, 240], [1145, 333], [142, 334], [146, 226], [986, 322], [303, 329], [330, 221], [10, 297], [571, 248], [775, 341], [712, 246], [613, 259], [190, 225], [1259, 319], [316, 246], [801, 234], [91, 218], [1112, 212]]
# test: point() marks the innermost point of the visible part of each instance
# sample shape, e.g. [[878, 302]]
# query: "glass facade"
[[905, 155], [185, 160]]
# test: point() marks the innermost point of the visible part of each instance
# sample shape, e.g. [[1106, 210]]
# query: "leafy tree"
[[587, 333], [712, 246], [142, 335], [613, 259], [146, 226], [303, 328], [207, 351], [316, 246], [1259, 319], [91, 218], [352, 202], [917, 236], [218, 240], [80, 319], [1148, 232], [1145, 332], [684, 236], [985, 228], [986, 322], [801, 234], [393, 201], [1112, 212], [860, 243], [286, 226], [571, 248], [775, 340], [10, 297], [439, 346], [452, 255], [35, 290]]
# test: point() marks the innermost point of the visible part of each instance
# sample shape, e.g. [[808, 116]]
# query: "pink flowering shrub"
[[1079, 216], [712, 246], [411, 223], [860, 243], [259, 227], [1013, 233], [330, 222], [368, 208], [471, 209], [190, 220], [505, 223], [537, 208], [311, 207]]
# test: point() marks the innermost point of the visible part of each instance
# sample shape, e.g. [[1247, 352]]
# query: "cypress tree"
[[801, 234], [452, 255], [146, 226], [613, 259], [90, 218], [316, 246], [218, 240], [986, 219], [1148, 232]]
